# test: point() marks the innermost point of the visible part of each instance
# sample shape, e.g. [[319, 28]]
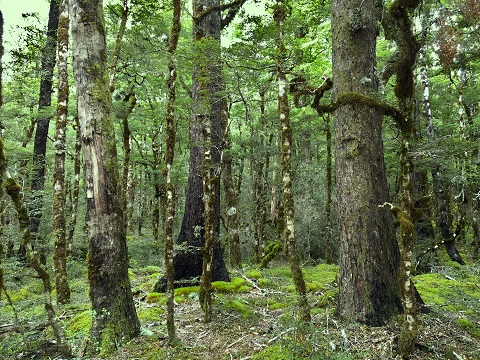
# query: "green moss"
[[185, 291], [454, 295], [276, 305], [150, 314], [253, 274], [19, 295], [157, 298], [240, 306], [234, 286], [80, 324], [263, 283], [470, 327], [274, 352]]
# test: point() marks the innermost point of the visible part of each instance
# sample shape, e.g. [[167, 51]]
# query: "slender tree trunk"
[[76, 188], [118, 46], [369, 254], [15, 192], [287, 175], [59, 223], [115, 321], [169, 155], [328, 203], [231, 199], [43, 121]]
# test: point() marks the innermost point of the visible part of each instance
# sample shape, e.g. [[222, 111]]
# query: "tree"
[[208, 108], [369, 255], [114, 318], [170, 153], [59, 223], [43, 121], [280, 13]]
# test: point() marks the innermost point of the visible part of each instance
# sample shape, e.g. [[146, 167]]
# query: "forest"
[[240, 179]]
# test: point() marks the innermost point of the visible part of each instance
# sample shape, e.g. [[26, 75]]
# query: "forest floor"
[[254, 318]]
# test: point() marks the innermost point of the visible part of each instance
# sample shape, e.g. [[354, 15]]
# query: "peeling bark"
[[115, 321]]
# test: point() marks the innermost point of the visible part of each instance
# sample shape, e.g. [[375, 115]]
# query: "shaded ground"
[[255, 318]]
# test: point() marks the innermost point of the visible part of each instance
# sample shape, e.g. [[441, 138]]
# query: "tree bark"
[[169, 156], [280, 15], [207, 102], [76, 188], [59, 223], [369, 254], [115, 321], [43, 121], [231, 199]]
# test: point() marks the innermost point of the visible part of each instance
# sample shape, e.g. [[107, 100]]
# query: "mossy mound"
[[149, 314], [274, 352], [236, 285], [80, 324], [240, 306], [453, 294], [469, 327], [253, 274]]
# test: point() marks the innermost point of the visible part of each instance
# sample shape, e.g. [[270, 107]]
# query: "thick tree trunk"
[[207, 102], [40, 142], [59, 223], [114, 321], [369, 254]]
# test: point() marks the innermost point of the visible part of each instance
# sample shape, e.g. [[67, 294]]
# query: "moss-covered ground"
[[255, 317]]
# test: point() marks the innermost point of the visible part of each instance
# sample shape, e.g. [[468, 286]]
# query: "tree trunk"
[[328, 203], [59, 223], [115, 321], [231, 199], [41, 134], [369, 254], [76, 188], [207, 102], [287, 174], [169, 155], [15, 192]]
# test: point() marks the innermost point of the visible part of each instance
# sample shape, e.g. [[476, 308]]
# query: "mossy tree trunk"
[[169, 156], [208, 108], [287, 175], [328, 203], [76, 188], [41, 133], [15, 192], [231, 199], [115, 321], [59, 222], [369, 254]]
